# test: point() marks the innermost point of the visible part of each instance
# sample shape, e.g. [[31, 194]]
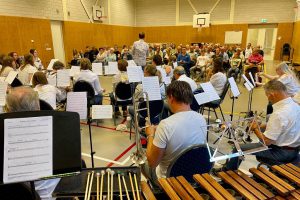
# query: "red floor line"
[[121, 155], [110, 128]]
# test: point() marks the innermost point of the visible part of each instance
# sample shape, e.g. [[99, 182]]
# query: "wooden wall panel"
[[188, 34], [296, 42], [16, 34], [78, 35], [285, 32]]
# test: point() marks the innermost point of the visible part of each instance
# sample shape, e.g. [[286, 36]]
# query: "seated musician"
[[282, 132], [253, 64], [179, 74], [174, 133]]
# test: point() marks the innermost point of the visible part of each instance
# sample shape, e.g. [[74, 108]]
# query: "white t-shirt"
[[218, 80], [48, 93], [190, 81], [283, 126], [202, 60], [291, 84], [91, 77], [176, 133], [26, 74]]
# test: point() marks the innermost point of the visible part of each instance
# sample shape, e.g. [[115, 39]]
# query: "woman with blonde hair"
[[285, 75], [9, 65]]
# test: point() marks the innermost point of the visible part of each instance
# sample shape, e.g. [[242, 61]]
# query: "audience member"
[[126, 55], [111, 56], [184, 60]]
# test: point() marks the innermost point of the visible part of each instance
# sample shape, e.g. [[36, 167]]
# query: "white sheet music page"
[[97, 68], [247, 81], [234, 88], [28, 149], [77, 102], [50, 66], [248, 87], [135, 74], [252, 79], [52, 80], [209, 89], [151, 86], [175, 64], [162, 72], [102, 111], [63, 78], [11, 77], [112, 68], [168, 80], [3, 89], [202, 98], [131, 63], [74, 70]]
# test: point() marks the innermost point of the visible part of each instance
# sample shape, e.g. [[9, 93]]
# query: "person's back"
[[176, 133], [140, 51], [47, 93]]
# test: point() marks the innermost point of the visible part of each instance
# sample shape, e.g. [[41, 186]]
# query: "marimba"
[[280, 182]]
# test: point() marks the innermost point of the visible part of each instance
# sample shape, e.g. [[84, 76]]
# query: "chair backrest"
[[192, 160], [123, 91], [225, 90], [44, 105], [155, 107], [195, 106], [16, 83], [83, 86]]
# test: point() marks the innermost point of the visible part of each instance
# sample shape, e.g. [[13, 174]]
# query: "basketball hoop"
[[101, 18]]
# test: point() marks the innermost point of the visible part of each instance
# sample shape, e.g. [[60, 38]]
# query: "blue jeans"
[[273, 156], [98, 99]]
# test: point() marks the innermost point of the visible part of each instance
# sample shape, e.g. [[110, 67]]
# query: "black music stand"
[[66, 141]]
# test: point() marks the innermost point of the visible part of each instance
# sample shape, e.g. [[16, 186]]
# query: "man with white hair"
[[179, 74]]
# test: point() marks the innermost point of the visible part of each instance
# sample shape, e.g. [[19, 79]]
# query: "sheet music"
[[248, 87], [97, 68], [28, 149], [50, 66], [131, 63], [3, 89], [63, 78], [11, 77], [252, 79], [168, 80], [162, 72], [77, 102], [74, 70], [52, 80], [256, 78], [247, 81], [112, 68], [234, 88], [151, 86], [135, 74], [102, 111], [175, 64], [208, 95]]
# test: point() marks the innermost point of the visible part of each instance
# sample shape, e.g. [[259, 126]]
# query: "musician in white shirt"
[[27, 70], [282, 132], [179, 74], [46, 92], [87, 75]]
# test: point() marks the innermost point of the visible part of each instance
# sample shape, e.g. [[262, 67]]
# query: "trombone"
[[139, 156]]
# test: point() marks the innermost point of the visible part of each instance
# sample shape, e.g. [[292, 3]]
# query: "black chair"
[[195, 106], [18, 191], [122, 97], [212, 106], [155, 109], [16, 83], [45, 106], [192, 160], [83, 86]]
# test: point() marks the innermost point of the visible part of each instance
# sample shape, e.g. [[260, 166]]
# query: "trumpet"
[[139, 156]]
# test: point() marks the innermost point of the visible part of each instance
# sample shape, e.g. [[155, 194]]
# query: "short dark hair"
[[142, 35], [31, 51], [122, 65], [181, 91], [275, 86], [218, 65], [157, 60]]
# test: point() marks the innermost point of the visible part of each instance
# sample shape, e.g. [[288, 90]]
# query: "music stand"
[[66, 140]]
